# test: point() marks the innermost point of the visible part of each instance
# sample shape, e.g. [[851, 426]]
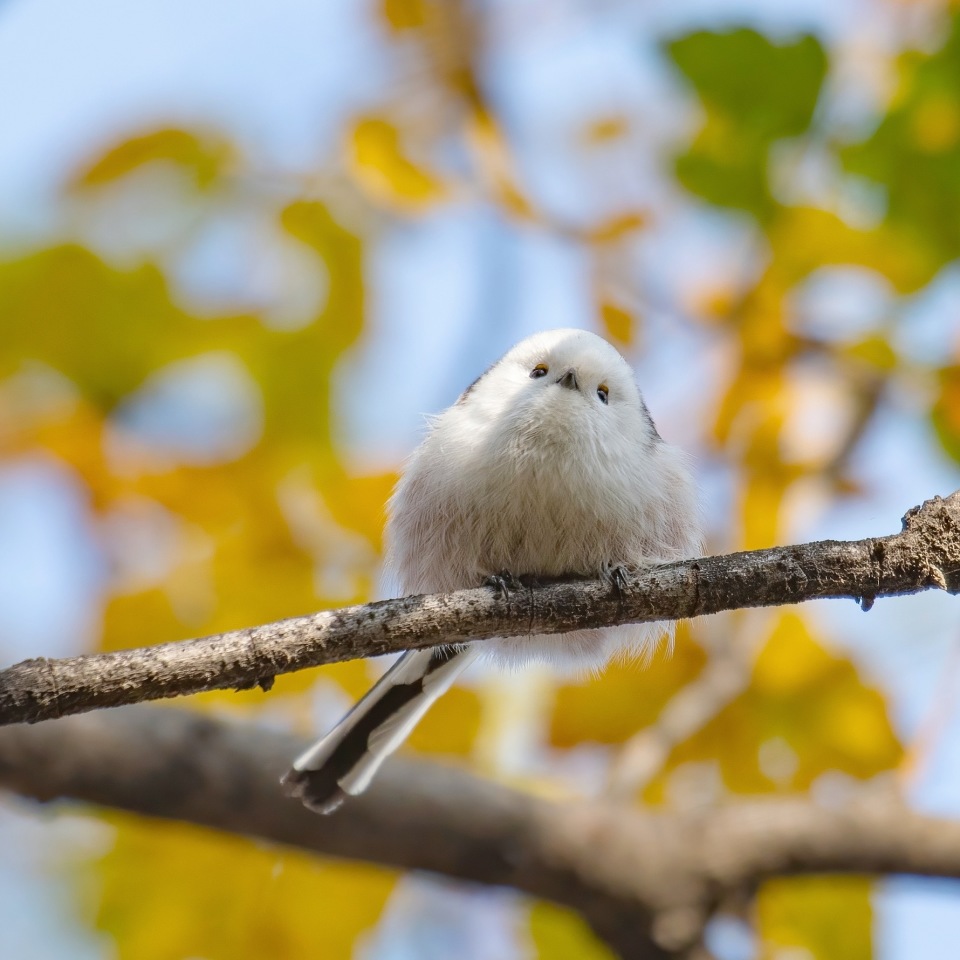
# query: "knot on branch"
[[935, 528]]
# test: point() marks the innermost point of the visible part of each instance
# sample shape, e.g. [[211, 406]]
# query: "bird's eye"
[[603, 393], [540, 370]]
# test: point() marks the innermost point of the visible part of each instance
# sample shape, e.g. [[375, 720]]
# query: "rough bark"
[[646, 881], [924, 555]]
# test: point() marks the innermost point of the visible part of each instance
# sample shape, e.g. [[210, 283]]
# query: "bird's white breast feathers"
[[546, 482]]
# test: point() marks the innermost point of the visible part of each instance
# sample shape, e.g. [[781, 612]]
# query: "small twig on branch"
[[647, 882], [926, 554]]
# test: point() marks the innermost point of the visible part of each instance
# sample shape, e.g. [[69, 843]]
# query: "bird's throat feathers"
[[558, 427]]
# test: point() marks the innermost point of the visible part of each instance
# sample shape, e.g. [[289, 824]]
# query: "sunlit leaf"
[[806, 238], [624, 698], [764, 491], [382, 164], [204, 894], [616, 228], [618, 322], [495, 164], [604, 129], [404, 14], [77, 301], [821, 918], [807, 705], [205, 156], [874, 351], [946, 411], [560, 934], [451, 725]]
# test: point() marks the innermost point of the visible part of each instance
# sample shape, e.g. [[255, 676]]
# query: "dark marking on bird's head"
[[646, 416], [466, 393]]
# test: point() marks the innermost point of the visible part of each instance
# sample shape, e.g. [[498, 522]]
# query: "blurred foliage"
[[203, 156], [382, 167], [594, 712], [809, 706], [277, 525], [816, 918], [914, 153], [245, 900], [754, 93], [562, 934]]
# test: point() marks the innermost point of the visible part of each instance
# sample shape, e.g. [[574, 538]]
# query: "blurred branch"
[[924, 555], [647, 882]]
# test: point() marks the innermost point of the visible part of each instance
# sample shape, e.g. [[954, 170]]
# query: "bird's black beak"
[[569, 380]]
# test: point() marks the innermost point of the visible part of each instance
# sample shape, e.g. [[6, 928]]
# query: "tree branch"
[[646, 881], [926, 554]]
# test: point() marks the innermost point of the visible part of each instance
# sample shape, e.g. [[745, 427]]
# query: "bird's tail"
[[344, 761]]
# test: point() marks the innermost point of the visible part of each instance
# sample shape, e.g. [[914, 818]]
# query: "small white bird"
[[549, 465]]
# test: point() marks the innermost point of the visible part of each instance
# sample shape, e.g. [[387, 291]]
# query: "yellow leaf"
[[78, 439], [623, 699], [495, 164], [616, 228], [946, 410], [617, 321], [205, 155], [359, 503], [876, 351], [936, 123], [805, 712], [605, 129], [383, 168], [451, 725], [171, 890], [763, 502], [822, 918], [561, 934], [853, 726], [791, 661], [806, 238], [714, 303], [140, 620], [404, 14]]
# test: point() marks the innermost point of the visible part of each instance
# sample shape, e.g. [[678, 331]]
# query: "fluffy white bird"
[[548, 464]]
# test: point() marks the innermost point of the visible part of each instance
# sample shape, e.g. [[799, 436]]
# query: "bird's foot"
[[619, 576], [503, 582]]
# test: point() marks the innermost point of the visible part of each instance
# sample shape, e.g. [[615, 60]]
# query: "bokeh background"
[[245, 247]]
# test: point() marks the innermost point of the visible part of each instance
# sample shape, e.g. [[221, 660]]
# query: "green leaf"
[[754, 92], [915, 151], [104, 328]]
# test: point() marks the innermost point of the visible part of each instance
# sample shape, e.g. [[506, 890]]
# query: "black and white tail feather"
[[549, 464], [344, 762]]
